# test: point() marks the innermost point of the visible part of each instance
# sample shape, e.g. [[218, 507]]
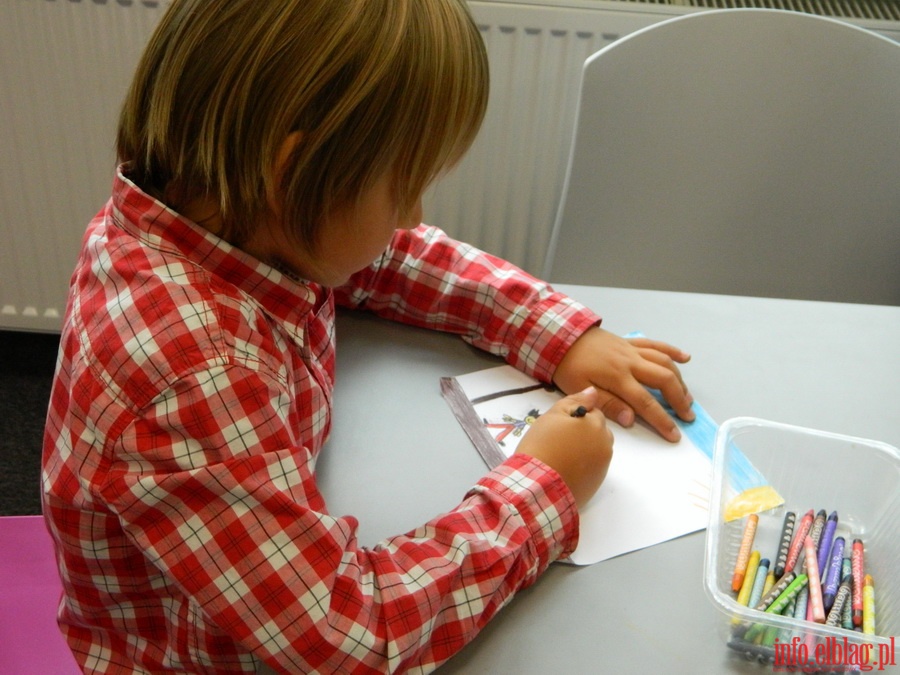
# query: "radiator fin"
[[876, 10], [65, 66]]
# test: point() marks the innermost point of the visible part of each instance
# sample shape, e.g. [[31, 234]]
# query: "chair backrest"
[[746, 152], [30, 640]]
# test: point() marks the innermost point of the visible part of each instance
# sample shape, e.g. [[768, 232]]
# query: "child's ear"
[[292, 140], [284, 152]]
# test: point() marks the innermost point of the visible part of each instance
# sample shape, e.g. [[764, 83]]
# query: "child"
[[273, 155]]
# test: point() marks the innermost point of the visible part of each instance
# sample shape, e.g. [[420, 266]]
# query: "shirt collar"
[[284, 296]]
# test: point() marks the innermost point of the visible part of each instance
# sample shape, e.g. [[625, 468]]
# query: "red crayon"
[[797, 544], [858, 575]]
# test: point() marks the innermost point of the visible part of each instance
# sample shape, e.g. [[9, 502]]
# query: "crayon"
[[846, 566], [857, 565], [868, 622], [768, 598], [837, 608], [770, 581], [751, 651], [847, 613], [818, 526], [759, 582], [816, 609], [827, 542], [753, 564], [787, 533], [802, 601], [846, 575], [797, 544], [777, 607], [832, 574], [740, 567], [788, 594]]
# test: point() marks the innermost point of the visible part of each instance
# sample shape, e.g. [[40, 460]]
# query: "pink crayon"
[[816, 607]]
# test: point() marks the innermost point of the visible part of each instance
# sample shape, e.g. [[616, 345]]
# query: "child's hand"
[[622, 369], [578, 448]]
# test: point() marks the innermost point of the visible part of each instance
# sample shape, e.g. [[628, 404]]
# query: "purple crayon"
[[825, 543], [833, 573]]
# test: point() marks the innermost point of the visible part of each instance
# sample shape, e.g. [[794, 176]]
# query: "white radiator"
[[65, 65]]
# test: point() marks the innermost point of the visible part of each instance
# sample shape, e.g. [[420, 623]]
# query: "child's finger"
[[673, 352]]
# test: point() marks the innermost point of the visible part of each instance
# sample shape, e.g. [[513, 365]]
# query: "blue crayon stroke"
[[702, 433]]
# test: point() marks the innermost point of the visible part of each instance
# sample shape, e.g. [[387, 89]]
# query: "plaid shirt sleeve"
[[428, 279], [244, 533], [191, 400]]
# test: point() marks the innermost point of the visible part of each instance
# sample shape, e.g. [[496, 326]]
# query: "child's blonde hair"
[[374, 87]]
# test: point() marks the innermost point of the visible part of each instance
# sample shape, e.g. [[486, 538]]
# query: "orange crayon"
[[740, 567]]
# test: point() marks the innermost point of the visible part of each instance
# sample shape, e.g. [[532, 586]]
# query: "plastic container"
[[809, 469]]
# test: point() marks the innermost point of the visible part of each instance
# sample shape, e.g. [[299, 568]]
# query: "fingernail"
[[624, 418], [588, 390]]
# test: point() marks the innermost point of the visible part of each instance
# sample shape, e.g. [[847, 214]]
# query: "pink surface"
[[30, 641]]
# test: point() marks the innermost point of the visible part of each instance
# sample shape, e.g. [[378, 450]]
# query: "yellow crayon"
[[749, 577], [868, 622], [743, 597]]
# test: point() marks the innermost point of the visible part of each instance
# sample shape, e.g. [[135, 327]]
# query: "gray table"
[[397, 457]]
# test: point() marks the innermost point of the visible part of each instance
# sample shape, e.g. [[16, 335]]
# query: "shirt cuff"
[[543, 501], [547, 333]]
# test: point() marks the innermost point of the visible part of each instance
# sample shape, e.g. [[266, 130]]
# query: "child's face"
[[352, 238]]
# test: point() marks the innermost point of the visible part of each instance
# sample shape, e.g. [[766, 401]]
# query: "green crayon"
[[777, 606], [775, 591], [787, 595]]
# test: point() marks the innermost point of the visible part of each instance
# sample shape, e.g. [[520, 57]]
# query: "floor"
[[27, 361]]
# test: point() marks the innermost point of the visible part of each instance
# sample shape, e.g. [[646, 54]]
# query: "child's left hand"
[[622, 369]]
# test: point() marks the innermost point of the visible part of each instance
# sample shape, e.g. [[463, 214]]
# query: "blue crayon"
[[825, 543], [758, 582], [802, 601], [832, 575]]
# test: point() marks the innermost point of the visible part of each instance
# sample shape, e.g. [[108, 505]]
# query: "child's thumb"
[[588, 397]]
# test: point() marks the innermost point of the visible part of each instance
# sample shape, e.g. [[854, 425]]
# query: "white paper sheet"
[[654, 490]]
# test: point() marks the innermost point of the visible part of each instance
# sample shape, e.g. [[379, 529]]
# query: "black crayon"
[[787, 534]]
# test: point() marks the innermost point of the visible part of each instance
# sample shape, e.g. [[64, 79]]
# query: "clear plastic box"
[[858, 478]]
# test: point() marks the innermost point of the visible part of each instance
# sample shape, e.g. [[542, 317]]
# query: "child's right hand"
[[579, 449]]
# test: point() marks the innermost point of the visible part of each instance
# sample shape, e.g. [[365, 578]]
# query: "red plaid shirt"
[[192, 398]]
